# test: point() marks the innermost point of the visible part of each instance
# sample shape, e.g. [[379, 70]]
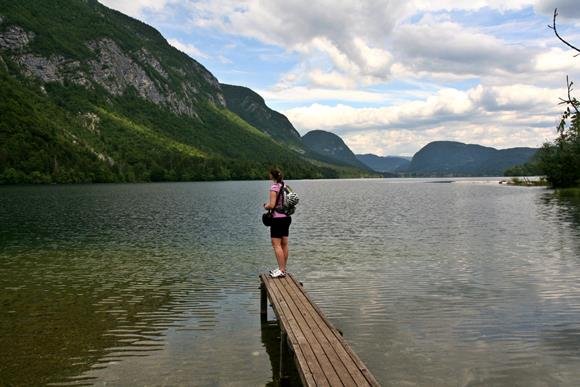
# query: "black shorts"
[[280, 227]]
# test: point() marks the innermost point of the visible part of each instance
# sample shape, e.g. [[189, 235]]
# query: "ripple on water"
[[432, 284]]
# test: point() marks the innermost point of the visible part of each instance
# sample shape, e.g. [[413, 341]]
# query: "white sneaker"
[[277, 273], [273, 270]]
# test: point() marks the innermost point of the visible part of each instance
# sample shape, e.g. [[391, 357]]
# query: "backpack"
[[289, 200]]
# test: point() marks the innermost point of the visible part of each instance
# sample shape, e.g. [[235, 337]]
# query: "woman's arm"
[[272, 204]]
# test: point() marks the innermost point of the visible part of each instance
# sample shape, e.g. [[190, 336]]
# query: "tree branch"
[[571, 101], [558, 35]]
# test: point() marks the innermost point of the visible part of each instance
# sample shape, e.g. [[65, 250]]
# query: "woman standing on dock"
[[280, 227]]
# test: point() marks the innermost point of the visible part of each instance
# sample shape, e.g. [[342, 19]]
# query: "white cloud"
[[135, 8], [448, 47], [520, 98], [306, 94], [187, 48], [332, 79], [567, 9], [386, 142], [448, 103], [365, 43], [499, 116], [355, 36], [351, 37], [472, 5], [405, 142], [556, 60]]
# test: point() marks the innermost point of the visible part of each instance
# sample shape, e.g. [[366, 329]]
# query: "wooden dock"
[[321, 355]]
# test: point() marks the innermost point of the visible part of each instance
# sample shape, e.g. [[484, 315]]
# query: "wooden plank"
[[344, 365], [321, 353], [323, 334], [280, 308], [360, 365], [304, 370], [305, 374], [338, 345], [303, 341], [311, 336]]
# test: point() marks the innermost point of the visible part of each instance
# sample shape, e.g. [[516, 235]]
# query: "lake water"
[[433, 283]]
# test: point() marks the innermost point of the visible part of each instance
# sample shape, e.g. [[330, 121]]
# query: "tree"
[[560, 160]]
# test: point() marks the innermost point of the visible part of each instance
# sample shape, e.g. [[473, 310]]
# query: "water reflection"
[[66, 318], [475, 272], [565, 204], [432, 284], [271, 341]]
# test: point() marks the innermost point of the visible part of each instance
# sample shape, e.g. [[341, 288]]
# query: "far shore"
[[525, 181]]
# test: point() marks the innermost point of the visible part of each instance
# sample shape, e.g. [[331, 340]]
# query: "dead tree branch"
[[570, 101], [558, 35]]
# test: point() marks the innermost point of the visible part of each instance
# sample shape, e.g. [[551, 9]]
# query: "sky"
[[388, 76]]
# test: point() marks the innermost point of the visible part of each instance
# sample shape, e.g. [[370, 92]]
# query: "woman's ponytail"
[[276, 174]]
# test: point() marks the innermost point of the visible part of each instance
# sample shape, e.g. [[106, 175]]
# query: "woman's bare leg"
[[279, 252], [284, 246]]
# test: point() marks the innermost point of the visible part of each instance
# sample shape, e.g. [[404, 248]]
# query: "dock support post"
[[283, 358], [263, 303]]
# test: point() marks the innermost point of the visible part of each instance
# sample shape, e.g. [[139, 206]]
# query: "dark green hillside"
[[91, 95], [332, 147], [252, 108], [41, 141], [450, 158]]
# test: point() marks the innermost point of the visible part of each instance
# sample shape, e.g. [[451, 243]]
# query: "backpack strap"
[[278, 205], [277, 198]]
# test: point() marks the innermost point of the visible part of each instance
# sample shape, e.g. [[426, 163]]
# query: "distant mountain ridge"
[[451, 158], [250, 106], [331, 146], [384, 163]]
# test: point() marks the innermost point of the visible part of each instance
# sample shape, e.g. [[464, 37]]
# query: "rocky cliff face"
[[14, 37], [116, 70]]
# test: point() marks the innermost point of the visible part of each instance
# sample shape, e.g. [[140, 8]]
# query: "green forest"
[[43, 141], [558, 160], [63, 132]]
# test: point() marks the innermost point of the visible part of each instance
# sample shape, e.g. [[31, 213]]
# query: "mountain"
[[252, 108], [92, 95], [332, 147], [384, 163], [450, 158]]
